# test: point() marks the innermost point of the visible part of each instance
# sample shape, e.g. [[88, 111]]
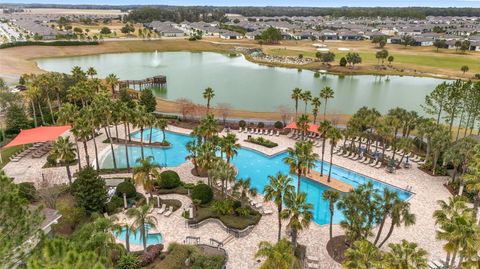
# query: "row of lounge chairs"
[[163, 210], [259, 131], [259, 206], [37, 150], [356, 157]]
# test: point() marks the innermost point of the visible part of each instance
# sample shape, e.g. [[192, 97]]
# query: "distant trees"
[[381, 40], [325, 57], [353, 58], [406, 40], [381, 55], [464, 69], [105, 31], [270, 36], [128, 28], [439, 44]]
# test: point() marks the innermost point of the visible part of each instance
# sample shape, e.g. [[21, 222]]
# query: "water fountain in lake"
[[155, 60]]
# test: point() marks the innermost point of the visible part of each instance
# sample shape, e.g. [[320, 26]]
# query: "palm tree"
[[334, 135], [91, 72], [323, 129], [243, 188], [278, 256], [400, 214], [316, 105], [406, 255], [277, 190], [124, 114], [144, 172], [82, 129], [229, 146], [94, 122], [112, 81], [296, 95], [298, 212], [64, 152], [142, 217], [388, 200], [208, 94], [192, 148], [362, 255], [162, 124], [306, 97], [142, 118], [224, 172], [67, 115], [302, 125], [300, 159], [332, 197], [326, 93]]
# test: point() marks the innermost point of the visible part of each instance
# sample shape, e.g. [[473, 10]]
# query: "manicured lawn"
[[236, 222], [7, 153]]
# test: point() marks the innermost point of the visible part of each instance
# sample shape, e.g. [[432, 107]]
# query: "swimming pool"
[[136, 238], [255, 165]]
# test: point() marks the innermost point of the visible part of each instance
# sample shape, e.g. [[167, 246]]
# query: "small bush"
[[278, 125], [242, 123], [208, 262], [175, 259], [152, 253], [126, 187], [262, 142], [112, 206], [168, 180], [27, 190], [128, 262], [203, 193], [237, 204], [343, 61], [261, 125]]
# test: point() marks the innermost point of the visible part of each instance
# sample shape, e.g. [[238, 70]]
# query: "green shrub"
[[27, 191], [175, 259], [262, 142], [242, 123], [202, 192], [168, 180], [127, 262], [208, 262], [126, 187], [343, 61], [53, 43], [278, 125], [89, 190], [261, 125], [115, 203]]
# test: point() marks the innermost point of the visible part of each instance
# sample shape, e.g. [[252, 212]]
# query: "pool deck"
[[334, 183]]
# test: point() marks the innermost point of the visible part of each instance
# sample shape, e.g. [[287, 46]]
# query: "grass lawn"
[[231, 221], [7, 153]]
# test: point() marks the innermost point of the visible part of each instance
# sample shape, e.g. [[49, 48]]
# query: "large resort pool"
[[250, 164]]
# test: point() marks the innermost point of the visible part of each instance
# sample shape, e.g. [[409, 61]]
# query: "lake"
[[250, 86]]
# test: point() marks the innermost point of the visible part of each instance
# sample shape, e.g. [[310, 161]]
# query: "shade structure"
[[311, 127], [39, 134]]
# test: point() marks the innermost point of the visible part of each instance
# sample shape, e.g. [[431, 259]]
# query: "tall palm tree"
[[229, 146], [192, 149], [162, 124], [306, 97], [112, 81], [279, 187], [278, 256], [141, 121], [334, 135], [243, 188], [142, 217], [91, 72], [323, 130], [326, 93], [388, 199], [124, 114], [332, 197], [82, 129], [296, 95], [106, 108], [406, 255], [144, 172], [208, 94], [224, 172], [64, 152], [316, 105], [302, 125], [91, 113], [298, 212], [67, 115], [362, 255], [300, 159]]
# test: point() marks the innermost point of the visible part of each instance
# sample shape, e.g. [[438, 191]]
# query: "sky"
[[308, 3]]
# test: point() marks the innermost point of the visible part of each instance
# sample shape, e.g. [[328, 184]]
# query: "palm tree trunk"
[[51, 110], [150, 137], [447, 259], [323, 152], [116, 131], [141, 143], [128, 133], [380, 229], [127, 239], [87, 158], [298, 183], [78, 153], [126, 147], [331, 164], [164, 138], [279, 223], [401, 160], [41, 113], [296, 110], [331, 219], [109, 136], [459, 126], [325, 110], [69, 174], [390, 231], [294, 238], [96, 150], [144, 235], [34, 113], [454, 257]]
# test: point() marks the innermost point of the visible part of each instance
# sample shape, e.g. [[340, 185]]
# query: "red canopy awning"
[[311, 127], [39, 134]]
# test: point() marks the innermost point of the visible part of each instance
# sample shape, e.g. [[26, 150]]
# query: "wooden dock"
[[156, 81], [334, 183]]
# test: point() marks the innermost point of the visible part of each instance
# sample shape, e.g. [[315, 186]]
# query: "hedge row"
[[53, 43]]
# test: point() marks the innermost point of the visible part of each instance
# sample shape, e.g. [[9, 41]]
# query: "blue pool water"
[[254, 165], [136, 238]]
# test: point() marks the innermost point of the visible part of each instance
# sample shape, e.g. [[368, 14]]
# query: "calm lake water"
[[250, 86]]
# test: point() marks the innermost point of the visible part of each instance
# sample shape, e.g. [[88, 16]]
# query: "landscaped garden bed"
[[262, 142]]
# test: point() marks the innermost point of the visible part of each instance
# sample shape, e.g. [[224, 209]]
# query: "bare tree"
[[224, 110], [50, 193], [186, 107], [284, 112]]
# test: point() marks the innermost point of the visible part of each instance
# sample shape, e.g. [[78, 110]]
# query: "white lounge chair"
[[169, 212], [373, 164], [240, 129], [379, 164], [162, 209]]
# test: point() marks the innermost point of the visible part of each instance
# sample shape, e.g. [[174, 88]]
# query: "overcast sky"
[[311, 3]]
